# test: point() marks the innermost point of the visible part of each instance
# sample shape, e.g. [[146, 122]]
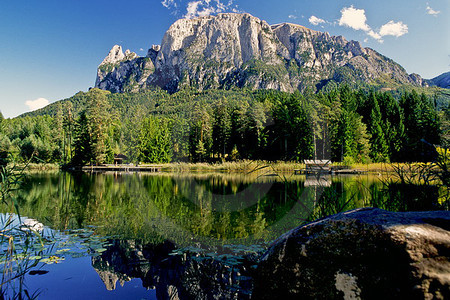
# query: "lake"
[[163, 236]]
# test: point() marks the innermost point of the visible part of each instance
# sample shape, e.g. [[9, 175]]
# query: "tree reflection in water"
[[199, 234]]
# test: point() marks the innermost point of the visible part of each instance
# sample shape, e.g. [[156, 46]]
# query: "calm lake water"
[[162, 236]]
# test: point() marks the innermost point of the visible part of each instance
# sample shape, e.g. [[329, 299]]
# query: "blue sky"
[[50, 49]]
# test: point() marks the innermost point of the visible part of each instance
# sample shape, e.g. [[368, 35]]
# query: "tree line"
[[342, 124]]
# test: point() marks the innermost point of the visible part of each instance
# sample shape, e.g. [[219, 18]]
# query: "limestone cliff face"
[[217, 52], [239, 50], [123, 72]]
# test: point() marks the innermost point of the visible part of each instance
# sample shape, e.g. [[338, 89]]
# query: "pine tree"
[[200, 151], [254, 135], [155, 141], [221, 130], [200, 131], [82, 141], [292, 133], [98, 116], [379, 148], [68, 128]]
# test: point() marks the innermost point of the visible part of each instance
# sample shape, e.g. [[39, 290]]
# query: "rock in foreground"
[[364, 253]]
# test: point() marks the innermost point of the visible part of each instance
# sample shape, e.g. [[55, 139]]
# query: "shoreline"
[[246, 167]]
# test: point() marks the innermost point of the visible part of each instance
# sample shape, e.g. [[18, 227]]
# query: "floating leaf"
[[77, 255], [62, 250], [35, 257]]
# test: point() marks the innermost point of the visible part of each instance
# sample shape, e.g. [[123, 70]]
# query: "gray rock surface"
[[123, 72], [239, 50], [360, 254]]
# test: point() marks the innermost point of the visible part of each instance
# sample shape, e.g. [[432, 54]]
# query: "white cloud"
[[200, 8], [292, 17], [396, 29], [169, 3], [357, 20], [375, 35], [354, 18], [36, 104], [431, 11], [315, 20], [192, 9], [203, 8]]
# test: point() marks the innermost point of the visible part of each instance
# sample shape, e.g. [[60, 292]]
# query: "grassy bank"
[[247, 166], [244, 167], [34, 167]]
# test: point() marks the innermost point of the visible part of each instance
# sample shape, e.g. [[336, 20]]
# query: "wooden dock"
[[324, 167], [315, 167], [121, 168]]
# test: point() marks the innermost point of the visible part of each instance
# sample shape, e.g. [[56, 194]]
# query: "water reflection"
[[219, 221], [215, 208], [185, 276]]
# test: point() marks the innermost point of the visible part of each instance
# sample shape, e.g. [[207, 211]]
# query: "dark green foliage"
[[155, 140], [342, 124], [82, 142], [422, 127], [379, 147], [291, 135], [92, 141], [200, 135], [221, 130]]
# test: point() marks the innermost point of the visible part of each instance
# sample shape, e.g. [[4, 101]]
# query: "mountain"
[[442, 81], [239, 50]]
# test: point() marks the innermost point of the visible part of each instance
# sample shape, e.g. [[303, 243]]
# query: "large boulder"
[[365, 253]]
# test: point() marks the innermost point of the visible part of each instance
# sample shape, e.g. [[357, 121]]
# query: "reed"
[[16, 243]]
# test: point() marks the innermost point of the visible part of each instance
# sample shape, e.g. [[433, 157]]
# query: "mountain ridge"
[[442, 81], [239, 50]]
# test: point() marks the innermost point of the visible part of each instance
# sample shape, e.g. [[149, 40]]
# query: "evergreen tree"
[[379, 148], [68, 129], [238, 127], [82, 141], [292, 134], [422, 127], [200, 151], [221, 130], [200, 131], [155, 141], [254, 134], [98, 116]]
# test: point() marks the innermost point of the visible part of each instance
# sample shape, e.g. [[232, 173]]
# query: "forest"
[[341, 124]]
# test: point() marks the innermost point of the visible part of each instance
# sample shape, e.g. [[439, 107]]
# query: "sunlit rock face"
[[239, 50], [123, 72], [361, 254]]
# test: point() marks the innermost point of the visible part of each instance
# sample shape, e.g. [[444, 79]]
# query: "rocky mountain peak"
[[115, 55], [232, 38], [240, 50]]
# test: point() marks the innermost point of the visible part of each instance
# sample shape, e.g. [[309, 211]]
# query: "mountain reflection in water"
[[198, 235], [174, 276]]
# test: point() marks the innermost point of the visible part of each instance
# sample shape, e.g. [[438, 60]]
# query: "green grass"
[[246, 166]]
